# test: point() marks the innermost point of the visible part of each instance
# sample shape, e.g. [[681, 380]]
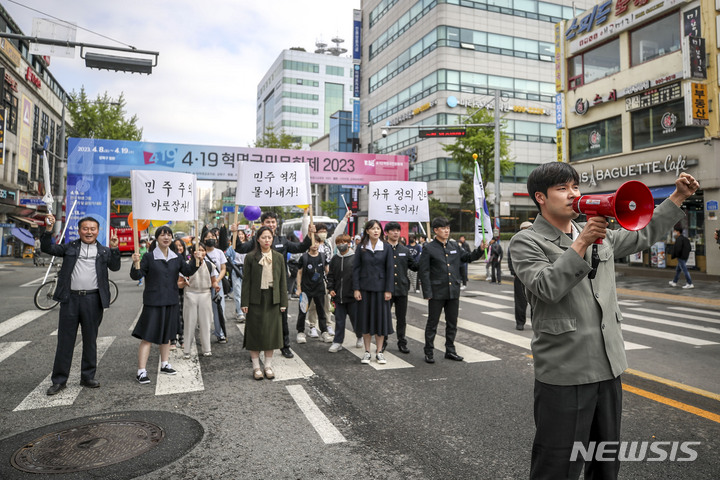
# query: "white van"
[[293, 226]]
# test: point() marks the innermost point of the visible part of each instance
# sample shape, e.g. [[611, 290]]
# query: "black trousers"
[[575, 413], [286, 330], [401, 303], [435, 307], [87, 312], [520, 302], [319, 302], [495, 269]]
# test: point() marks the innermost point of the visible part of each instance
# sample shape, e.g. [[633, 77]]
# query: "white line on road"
[[20, 320], [39, 399], [8, 348], [317, 419], [689, 310], [188, 377], [509, 298], [672, 323], [666, 336], [474, 301], [469, 354], [393, 361], [696, 310], [137, 317]]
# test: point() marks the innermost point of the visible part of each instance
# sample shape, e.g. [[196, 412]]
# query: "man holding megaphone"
[[577, 342]]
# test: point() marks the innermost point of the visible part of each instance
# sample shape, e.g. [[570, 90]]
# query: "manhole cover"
[[87, 447]]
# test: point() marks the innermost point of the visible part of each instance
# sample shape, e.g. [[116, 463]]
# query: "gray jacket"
[[577, 337]]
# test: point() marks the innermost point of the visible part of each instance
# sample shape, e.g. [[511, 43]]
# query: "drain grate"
[[87, 447]]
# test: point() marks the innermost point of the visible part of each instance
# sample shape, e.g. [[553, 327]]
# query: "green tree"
[[480, 140], [283, 140], [437, 208], [329, 207]]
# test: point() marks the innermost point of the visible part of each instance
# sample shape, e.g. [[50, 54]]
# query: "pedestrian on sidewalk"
[[197, 302], [83, 292], [440, 277], [496, 255], [341, 290], [373, 287], [518, 289], [681, 251], [158, 321], [577, 345], [264, 298]]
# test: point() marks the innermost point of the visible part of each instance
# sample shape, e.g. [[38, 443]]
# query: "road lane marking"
[[469, 354], [327, 431], [672, 403], [686, 310], [134, 322], [8, 348], [284, 368], [20, 320], [474, 301], [393, 361], [698, 318], [671, 383], [509, 298], [665, 335], [188, 377], [672, 323], [39, 399]]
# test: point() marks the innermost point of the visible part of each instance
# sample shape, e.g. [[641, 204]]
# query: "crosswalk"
[[485, 315]]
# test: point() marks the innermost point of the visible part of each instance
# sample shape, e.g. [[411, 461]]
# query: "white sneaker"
[[366, 358], [313, 333], [672, 284], [335, 347], [301, 338], [359, 343], [462, 287], [488, 279], [689, 285], [417, 290], [331, 331], [381, 358], [327, 338]]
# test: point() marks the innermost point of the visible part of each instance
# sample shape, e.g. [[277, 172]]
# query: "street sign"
[[46, 143], [438, 132], [228, 208], [32, 201], [122, 201]]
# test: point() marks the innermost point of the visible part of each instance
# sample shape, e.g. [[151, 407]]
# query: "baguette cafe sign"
[[675, 165]]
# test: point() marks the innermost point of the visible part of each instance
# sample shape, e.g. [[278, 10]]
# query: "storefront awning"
[[29, 221], [662, 192]]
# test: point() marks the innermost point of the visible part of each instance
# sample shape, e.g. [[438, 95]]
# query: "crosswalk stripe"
[[509, 298], [327, 431], [8, 348], [672, 323], [188, 377], [393, 361], [20, 320], [511, 317], [285, 368], [39, 399], [696, 317], [474, 301], [686, 310], [665, 335], [469, 354], [137, 317]]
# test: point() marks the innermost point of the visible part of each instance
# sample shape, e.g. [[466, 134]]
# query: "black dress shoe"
[[453, 356], [519, 327], [286, 352], [92, 383], [403, 348], [56, 387], [429, 359]]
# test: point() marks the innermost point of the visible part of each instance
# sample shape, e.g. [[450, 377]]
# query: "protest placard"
[[398, 201], [162, 195], [273, 184]]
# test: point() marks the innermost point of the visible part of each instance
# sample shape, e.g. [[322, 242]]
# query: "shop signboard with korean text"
[[694, 63], [696, 105]]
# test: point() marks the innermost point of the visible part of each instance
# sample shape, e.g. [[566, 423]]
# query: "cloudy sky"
[[213, 53]]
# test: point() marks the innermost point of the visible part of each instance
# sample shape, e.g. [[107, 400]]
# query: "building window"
[[333, 101], [301, 81], [301, 66], [298, 124], [655, 40], [519, 173], [596, 139], [333, 70], [301, 110], [662, 124], [301, 96], [594, 64]]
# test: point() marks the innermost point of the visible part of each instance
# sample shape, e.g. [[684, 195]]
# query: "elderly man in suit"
[[83, 292], [577, 342]]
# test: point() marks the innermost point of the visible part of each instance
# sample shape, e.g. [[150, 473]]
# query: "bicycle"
[[44, 294]]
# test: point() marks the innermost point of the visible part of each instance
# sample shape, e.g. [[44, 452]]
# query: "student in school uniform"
[[157, 324], [341, 290], [311, 281], [197, 308]]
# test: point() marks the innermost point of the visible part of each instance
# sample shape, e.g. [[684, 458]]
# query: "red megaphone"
[[632, 205]]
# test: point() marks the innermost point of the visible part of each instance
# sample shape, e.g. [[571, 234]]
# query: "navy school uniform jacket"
[[373, 271], [403, 259], [161, 278], [440, 268]]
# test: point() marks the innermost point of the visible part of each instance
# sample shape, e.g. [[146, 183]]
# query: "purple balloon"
[[251, 212]]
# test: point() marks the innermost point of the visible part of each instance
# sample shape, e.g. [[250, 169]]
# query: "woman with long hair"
[[158, 322], [178, 246], [235, 264], [197, 309], [373, 283], [263, 299]]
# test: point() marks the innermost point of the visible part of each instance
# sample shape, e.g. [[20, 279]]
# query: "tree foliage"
[[101, 118], [329, 207], [480, 140], [437, 208], [283, 140]]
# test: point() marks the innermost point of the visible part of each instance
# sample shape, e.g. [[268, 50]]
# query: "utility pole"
[[497, 158]]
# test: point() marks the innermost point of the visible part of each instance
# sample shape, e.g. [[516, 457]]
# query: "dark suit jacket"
[[252, 277], [403, 259], [373, 271], [440, 268], [107, 258], [161, 278]]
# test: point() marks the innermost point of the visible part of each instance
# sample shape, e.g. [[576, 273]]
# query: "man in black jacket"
[[281, 245], [440, 277], [83, 292], [403, 260], [340, 287], [681, 251]]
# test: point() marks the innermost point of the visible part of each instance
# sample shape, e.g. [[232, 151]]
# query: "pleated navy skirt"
[[157, 325], [374, 314]]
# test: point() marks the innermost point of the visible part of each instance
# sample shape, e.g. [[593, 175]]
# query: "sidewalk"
[[645, 283]]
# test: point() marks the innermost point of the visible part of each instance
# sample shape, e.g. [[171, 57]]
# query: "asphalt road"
[[328, 416]]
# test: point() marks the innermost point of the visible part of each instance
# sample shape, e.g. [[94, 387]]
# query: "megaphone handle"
[[595, 262]]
